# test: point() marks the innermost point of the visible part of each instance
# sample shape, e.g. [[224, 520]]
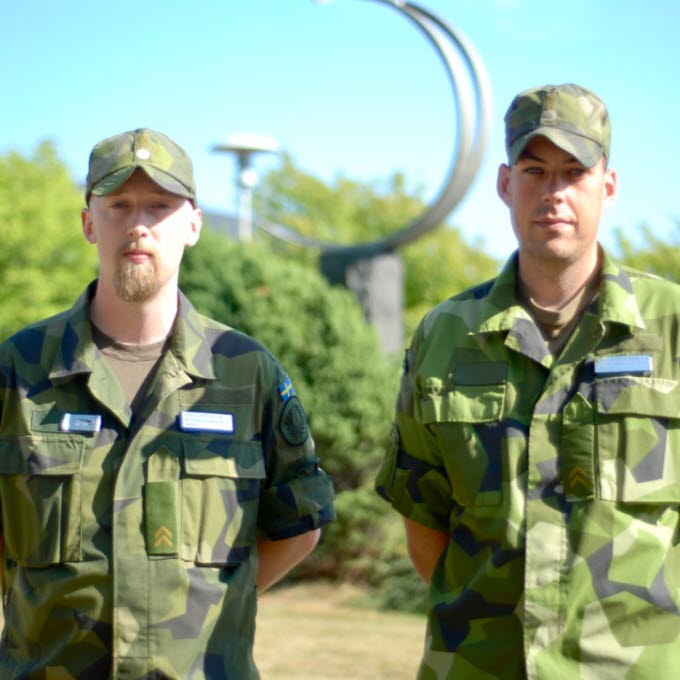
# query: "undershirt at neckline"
[[134, 365], [558, 323]]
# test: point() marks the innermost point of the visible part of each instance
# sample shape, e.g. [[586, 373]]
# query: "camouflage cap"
[[570, 116], [113, 160]]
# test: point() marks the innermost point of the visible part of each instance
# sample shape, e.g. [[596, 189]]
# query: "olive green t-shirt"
[[134, 365], [558, 323]]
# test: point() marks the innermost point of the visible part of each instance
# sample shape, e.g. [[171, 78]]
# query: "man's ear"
[[503, 183], [609, 188], [88, 229], [195, 228]]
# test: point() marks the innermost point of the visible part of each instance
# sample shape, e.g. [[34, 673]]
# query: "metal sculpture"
[[471, 93]]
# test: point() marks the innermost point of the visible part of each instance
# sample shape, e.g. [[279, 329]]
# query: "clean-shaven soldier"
[[536, 453]]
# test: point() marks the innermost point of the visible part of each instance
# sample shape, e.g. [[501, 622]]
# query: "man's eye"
[[533, 170], [163, 205]]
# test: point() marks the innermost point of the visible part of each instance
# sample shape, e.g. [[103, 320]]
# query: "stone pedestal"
[[377, 280]]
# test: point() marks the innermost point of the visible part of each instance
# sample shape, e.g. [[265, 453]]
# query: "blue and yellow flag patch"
[[286, 390]]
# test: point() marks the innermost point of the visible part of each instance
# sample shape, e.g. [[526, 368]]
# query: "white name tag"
[[628, 364], [198, 421], [80, 422]]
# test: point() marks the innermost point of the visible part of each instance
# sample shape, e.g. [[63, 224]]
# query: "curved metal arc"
[[470, 90], [464, 163], [476, 67]]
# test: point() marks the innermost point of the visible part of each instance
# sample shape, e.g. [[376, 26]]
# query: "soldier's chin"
[[136, 283]]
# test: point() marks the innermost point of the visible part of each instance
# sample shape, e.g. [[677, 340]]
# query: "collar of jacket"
[[616, 299], [77, 352]]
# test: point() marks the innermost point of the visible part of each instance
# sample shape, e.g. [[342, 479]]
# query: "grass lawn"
[[320, 632]]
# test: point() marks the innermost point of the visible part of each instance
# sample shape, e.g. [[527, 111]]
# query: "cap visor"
[[111, 182], [168, 182], [585, 151], [116, 179]]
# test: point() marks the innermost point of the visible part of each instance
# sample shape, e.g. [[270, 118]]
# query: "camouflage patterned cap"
[[570, 116], [113, 160]]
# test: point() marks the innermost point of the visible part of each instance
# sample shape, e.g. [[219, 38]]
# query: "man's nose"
[[553, 191], [140, 223]]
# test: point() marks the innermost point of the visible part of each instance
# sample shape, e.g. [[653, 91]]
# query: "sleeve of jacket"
[[413, 476], [298, 494]]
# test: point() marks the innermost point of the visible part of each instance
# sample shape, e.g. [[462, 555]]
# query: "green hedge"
[[347, 386]]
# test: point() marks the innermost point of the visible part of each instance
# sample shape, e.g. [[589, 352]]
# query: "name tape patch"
[[199, 421], [80, 422], [626, 364]]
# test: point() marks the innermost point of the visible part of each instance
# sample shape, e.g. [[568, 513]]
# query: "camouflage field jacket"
[[557, 480], [130, 544]]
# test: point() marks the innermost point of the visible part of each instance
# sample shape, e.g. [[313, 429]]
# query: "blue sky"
[[349, 87]]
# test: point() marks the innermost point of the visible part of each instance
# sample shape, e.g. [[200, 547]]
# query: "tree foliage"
[[347, 386], [437, 266], [45, 261], [319, 335], [656, 257], [343, 212]]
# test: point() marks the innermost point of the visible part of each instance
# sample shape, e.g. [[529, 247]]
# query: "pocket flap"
[[465, 404], [223, 457], [638, 395], [40, 455]]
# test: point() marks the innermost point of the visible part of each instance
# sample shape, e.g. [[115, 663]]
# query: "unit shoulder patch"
[[293, 423]]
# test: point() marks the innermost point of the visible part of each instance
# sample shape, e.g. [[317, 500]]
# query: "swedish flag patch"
[[286, 390]]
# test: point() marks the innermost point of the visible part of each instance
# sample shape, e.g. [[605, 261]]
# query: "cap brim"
[[116, 179], [111, 182], [585, 151]]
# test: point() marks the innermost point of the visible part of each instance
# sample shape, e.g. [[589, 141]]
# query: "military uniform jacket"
[[130, 544], [557, 480]]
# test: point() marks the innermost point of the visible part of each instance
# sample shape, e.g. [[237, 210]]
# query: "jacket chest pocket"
[[637, 431], [40, 493], [220, 497], [467, 422]]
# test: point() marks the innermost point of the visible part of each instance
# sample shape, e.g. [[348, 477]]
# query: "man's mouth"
[[553, 220], [136, 253]]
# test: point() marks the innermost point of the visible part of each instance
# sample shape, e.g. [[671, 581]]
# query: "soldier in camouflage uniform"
[[156, 468], [536, 449]]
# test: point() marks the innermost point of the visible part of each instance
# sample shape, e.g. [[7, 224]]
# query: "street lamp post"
[[245, 146]]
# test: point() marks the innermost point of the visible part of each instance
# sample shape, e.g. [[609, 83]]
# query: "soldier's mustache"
[[136, 247]]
